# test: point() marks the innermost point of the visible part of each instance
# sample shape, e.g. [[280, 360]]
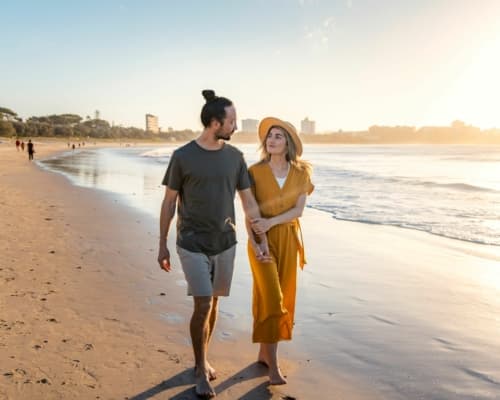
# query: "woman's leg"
[[268, 354]]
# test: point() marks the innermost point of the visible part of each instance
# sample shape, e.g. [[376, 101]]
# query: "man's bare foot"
[[203, 388], [275, 377], [212, 373]]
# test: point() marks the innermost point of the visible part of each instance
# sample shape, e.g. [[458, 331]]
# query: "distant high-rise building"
[[307, 126], [152, 123], [249, 125], [97, 114]]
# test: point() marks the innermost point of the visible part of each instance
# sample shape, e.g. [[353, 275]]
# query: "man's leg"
[[212, 320], [200, 334], [213, 316]]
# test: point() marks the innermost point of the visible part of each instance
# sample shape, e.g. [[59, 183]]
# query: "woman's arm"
[[262, 225]]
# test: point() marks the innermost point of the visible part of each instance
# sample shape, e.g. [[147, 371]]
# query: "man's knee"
[[202, 305]]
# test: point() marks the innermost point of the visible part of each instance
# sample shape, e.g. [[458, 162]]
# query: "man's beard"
[[220, 135]]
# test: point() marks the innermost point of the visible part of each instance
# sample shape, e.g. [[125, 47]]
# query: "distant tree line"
[[458, 132], [73, 126]]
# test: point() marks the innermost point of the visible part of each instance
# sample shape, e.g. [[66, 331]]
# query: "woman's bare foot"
[[203, 387], [268, 357], [275, 377]]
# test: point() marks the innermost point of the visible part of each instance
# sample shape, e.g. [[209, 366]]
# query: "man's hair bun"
[[209, 95]]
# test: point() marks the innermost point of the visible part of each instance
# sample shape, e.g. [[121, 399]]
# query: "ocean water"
[[451, 191]]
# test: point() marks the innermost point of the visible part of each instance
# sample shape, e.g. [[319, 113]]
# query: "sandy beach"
[[77, 319]]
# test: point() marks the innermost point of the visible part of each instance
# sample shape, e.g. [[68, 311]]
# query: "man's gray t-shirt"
[[206, 181]]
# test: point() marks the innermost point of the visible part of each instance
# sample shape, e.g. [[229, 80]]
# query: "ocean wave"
[[456, 186], [157, 153], [473, 158], [367, 176], [491, 241]]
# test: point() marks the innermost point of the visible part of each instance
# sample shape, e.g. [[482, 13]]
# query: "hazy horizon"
[[346, 64]]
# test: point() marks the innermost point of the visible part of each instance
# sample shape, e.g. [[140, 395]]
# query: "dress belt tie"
[[300, 243]]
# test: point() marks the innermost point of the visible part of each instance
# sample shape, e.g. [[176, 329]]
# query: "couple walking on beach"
[[201, 181]]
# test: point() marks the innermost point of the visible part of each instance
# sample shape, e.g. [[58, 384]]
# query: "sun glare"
[[476, 93]]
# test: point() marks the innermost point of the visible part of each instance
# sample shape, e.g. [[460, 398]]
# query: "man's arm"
[[166, 215], [252, 212]]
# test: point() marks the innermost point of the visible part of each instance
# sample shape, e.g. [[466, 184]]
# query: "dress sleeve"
[[307, 186]]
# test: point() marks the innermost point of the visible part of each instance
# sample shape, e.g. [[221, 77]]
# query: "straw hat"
[[267, 123]]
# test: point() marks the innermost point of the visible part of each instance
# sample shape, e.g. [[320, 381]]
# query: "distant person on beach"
[[201, 180], [31, 150], [281, 182], [22, 145], [18, 143], [73, 146]]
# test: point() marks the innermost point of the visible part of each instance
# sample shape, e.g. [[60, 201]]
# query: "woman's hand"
[[261, 225]]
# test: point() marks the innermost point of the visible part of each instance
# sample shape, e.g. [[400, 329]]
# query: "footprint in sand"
[[172, 318], [227, 314]]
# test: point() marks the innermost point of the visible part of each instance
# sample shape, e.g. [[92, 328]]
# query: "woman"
[[280, 182]]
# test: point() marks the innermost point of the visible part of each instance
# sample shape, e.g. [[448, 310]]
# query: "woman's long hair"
[[291, 151]]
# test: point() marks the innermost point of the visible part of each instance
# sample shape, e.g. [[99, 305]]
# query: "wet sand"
[[86, 313]]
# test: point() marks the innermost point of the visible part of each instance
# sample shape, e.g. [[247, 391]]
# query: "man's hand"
[[164, 258], [261, 225], [261, 251]]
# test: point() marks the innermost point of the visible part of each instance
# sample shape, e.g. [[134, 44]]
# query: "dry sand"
[[76, 319]]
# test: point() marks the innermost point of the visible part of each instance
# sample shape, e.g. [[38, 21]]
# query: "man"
[[31, 150], [202, 178]]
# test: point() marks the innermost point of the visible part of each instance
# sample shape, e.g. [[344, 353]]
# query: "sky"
[[346, 64]]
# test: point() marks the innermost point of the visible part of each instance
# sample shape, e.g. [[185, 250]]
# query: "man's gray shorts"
[[208, 275]]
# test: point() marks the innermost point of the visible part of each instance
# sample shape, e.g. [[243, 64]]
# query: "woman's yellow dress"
[[274, 284]]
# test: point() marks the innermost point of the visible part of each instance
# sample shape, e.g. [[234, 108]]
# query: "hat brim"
[[267, 123]]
